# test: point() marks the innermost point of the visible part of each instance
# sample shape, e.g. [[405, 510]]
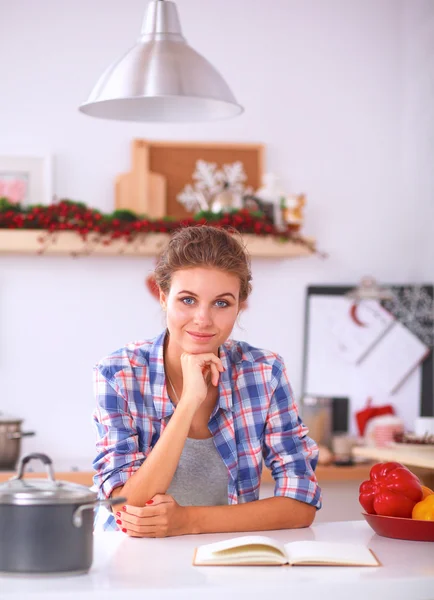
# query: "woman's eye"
[[222, 303], [189, 301]]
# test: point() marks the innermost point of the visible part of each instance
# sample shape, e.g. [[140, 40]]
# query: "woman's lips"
[[200, 337]]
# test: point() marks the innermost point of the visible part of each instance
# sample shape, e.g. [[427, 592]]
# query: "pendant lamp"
[[161, 78]]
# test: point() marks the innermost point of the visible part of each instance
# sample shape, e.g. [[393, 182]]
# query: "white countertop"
[[160, 569]]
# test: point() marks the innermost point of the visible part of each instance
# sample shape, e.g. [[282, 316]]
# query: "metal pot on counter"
[[10, 441], [46, 525]]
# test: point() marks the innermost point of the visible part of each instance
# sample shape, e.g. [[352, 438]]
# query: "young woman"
[[185, 420]]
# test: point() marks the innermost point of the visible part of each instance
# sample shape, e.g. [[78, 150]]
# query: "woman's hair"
[[204, 246]]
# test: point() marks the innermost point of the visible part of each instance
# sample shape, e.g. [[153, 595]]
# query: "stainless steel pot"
[[46, 525], [10, 441]]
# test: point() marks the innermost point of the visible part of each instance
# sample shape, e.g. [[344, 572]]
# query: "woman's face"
[[202, 306]]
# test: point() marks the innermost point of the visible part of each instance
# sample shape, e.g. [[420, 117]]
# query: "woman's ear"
[[163, 300]]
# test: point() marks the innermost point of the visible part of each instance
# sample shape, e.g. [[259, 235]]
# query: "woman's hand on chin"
[[198, 370]]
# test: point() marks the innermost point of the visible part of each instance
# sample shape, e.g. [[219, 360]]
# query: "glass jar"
[[316, 414]]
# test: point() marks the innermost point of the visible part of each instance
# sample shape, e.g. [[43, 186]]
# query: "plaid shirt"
[[255, 419]]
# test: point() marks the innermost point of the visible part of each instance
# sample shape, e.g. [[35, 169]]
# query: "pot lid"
[[25, 491], [44, 491]]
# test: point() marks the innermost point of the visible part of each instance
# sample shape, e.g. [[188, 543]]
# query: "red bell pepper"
[[391, 490]]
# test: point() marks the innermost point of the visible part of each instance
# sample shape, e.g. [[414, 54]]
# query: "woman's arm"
[[259, 515], [156, 473], [164, 517], [288, 451], [122, 466]]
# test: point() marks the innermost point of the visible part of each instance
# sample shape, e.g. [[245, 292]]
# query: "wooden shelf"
[[420, 462], [67, 242], [422, 458], [332, 473], [81, 477]]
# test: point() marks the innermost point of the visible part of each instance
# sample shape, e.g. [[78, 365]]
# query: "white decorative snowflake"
[[210, 181], [232, 176], [414, 308], [207, 178], [192, 199]]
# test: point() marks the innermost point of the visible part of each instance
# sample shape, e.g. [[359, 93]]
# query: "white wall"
[[418, 127], [329, 87]]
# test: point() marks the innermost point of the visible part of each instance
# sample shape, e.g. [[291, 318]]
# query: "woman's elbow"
[[302, 516], [309, 516]]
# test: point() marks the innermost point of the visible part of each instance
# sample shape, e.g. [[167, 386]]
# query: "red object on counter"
[[401, 529], [392, 490], [363, 416]]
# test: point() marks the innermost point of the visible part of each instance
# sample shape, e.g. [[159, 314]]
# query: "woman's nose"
[[202, 316]]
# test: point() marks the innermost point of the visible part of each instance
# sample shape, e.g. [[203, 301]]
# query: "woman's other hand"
[[198, 370], [161, 517]]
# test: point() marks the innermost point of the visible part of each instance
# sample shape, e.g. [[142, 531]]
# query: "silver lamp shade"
[[161, 78]]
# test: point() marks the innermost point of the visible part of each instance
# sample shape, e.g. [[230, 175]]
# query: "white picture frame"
[[26, 179], [326, 374]]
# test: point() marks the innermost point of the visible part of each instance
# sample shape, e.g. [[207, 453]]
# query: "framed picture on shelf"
[[160, 170], [26, 179]]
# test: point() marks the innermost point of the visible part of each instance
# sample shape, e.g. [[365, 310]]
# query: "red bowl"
[[401, 529]]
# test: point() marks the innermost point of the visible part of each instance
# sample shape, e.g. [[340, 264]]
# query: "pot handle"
[[19, 434], [36, 455], [77, 517]]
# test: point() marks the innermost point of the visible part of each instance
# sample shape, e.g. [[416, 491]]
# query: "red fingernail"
[[118, 514], [119, 522], [124, 530], [124, 508], [150, 502]]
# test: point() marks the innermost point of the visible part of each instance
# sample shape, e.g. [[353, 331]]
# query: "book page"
[[333, 553], [242, 550]]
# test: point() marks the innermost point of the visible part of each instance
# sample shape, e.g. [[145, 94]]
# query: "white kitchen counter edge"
[[161, 569]]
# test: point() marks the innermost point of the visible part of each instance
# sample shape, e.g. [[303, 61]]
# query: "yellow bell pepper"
[[426, 491], [424, 510]]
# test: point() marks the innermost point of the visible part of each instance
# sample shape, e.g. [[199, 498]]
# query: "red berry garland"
[[67, 215]]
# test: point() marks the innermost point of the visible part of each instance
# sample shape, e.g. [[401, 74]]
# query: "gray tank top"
[[201, 478]]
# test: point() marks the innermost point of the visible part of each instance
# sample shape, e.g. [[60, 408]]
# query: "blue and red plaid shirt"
[[254, 420]]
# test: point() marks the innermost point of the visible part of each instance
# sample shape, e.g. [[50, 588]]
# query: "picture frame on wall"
[[324, 375], [26, 180]]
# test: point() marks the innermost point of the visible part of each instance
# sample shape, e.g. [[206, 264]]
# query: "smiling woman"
[[185, 420]]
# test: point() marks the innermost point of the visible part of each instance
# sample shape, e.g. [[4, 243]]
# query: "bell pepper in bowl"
[[424, 510], [426, 491], [392, 490]]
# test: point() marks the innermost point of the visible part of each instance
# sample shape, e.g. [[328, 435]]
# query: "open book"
[[260, 550]]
